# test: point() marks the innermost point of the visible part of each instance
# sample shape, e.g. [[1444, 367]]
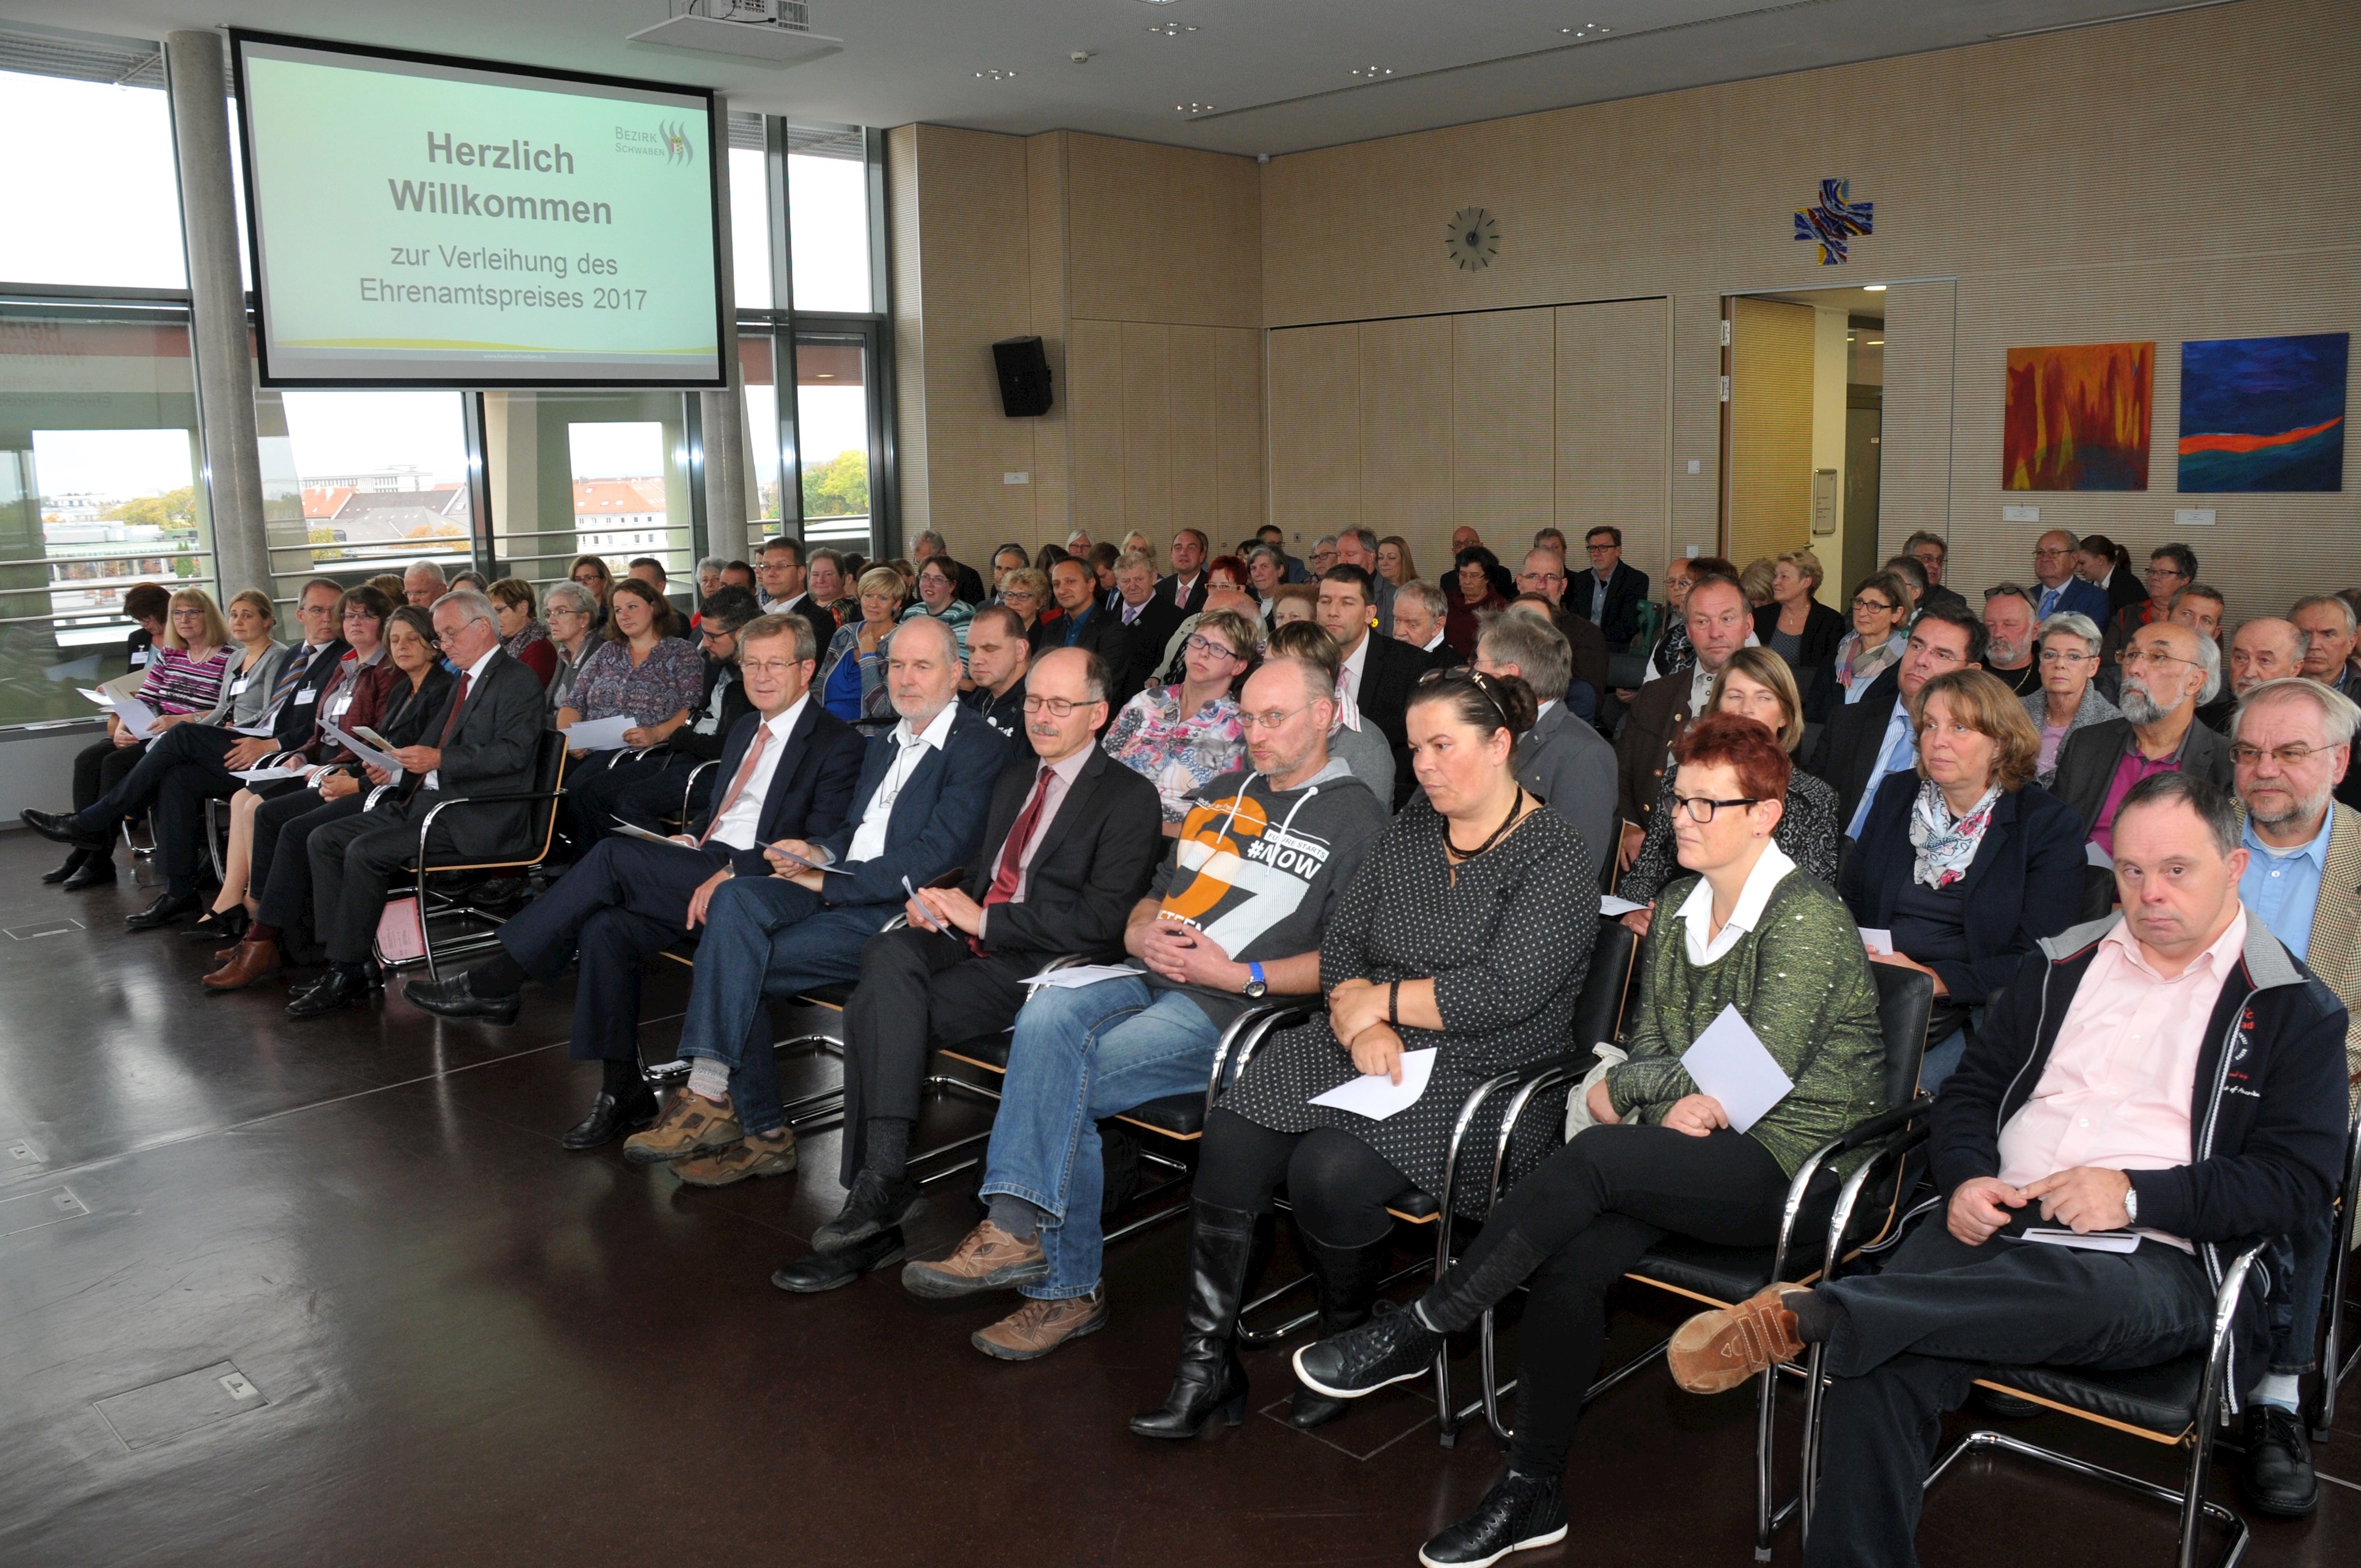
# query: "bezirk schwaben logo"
[[668, 141]]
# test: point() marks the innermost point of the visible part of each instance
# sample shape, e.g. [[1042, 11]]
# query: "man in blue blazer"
[[787, 770], [917, 816], [2057, 589]]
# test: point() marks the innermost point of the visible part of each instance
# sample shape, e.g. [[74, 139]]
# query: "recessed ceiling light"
[[1373, 71], [1587, 30], [1877, 343], [1873, 287], [994, 74], [1171, 30], [1192, 108]]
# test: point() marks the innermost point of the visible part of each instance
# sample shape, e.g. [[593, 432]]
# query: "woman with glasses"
[[938, 596], [854, 669], [1656, 1157], [1881, 629], [1467, 932], [523, 636], [1026, 594], [2069, 648], [1964, 861], [590, 572], [1756, 684], [1181, 738], [2170, 568], [570, 612]]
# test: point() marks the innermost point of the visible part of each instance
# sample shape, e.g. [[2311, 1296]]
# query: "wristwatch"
[[2131, 1203], [1255, 985]]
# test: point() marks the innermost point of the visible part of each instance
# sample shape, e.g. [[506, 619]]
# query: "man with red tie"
[[1069, 842], [786, 770]]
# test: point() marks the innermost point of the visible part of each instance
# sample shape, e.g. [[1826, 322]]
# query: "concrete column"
[[723, 413], [196, 68]]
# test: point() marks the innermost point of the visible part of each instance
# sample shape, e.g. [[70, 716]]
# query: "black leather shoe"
[[74, 860], [2276, 1477], [610, 1119], [875, 1203], [64, 827], [1519, 1512], [221, 925], [332, 992], [818, 1271], [97, 871], [171, 906], [457, 998], [1392, 1347]]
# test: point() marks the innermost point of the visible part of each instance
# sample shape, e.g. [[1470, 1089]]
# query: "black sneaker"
[[2276, 1477], [875, 1203], [1392, 1347], [1519, 1512]]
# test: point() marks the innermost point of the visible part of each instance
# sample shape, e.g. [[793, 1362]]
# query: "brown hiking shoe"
[[690, 1124], [1038, 1328], [987, 1258], [773, 1156], [1719, 1350]]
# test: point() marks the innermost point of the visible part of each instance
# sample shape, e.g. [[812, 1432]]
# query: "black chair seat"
[[2153, 1398], [1726, 1274], [1416, 1205], [836, 993], [992, 1053], [1176, 1116]]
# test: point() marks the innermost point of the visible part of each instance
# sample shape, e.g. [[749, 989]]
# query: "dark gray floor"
[[467, 1347]]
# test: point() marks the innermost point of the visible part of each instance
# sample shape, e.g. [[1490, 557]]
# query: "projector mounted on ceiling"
[[775, 31]]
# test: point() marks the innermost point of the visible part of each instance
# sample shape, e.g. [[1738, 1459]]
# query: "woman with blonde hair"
[[1795, 625], [854, 667], [1394, 562]]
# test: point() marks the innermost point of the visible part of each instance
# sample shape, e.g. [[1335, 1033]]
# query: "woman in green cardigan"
[[1750, 931]]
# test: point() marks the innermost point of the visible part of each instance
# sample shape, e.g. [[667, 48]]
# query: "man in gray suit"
[[488, 740], [1561, 759]]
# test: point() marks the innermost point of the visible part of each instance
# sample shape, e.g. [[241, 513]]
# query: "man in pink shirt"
[[2171, 1074]]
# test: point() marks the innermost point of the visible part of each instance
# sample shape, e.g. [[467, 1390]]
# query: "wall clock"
[[1472, 238]]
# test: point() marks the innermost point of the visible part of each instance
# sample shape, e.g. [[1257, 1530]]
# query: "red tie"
[[1012, 854], [452, 721], [738, 785]]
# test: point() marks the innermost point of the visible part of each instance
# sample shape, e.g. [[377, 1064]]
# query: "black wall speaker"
[[1024, 376]]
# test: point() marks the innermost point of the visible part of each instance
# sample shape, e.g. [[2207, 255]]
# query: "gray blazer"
[[2095, 710], [1563, 760], [246, 699]]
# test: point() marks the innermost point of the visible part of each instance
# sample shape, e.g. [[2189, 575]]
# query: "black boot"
[[1346, 1281], [97, 871], [1210, 1379], [74, 858]]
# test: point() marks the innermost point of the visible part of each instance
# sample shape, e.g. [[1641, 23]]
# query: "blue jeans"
[[1080, 1055], [2304, 1290], [764, 939], [1942, 1058]]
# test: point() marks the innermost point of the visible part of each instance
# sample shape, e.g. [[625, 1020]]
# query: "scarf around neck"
[[1947, 844]]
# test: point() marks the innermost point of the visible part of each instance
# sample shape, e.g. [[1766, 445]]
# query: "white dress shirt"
[[467, 679], [869, 839], [1697, 910], [1348, 674], [736, 826]]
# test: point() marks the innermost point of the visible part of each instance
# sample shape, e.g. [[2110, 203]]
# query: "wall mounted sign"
[[1472, 238], [1833, 220]]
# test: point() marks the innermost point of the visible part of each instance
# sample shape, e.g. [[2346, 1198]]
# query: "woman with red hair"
[[1658, 1156]]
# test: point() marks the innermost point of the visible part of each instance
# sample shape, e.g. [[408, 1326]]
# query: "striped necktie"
[[288, 679]]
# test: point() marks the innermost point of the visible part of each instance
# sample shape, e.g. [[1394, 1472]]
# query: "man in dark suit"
[[1185, 587], [1070, 842], [1869, 739], [786, 587], [489, 740], [918, 815], [1085, 623], [1718, 628], [1544, 573], [1609, 595], [1561, 758], [2058, 589], [788, 766], [1358, 547], [1378, 672], [1420, 610], [1148, 618]]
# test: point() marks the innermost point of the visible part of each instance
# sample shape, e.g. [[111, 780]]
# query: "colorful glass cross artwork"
[[1832, 219]]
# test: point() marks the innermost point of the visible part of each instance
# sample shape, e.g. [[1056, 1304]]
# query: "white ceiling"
[[1278, 73]]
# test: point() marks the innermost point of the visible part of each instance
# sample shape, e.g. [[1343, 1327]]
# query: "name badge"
[[139, 658], [238, 687], [336, 708], [307, 697]]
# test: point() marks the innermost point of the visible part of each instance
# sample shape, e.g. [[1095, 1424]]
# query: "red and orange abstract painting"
[[2077, 417]]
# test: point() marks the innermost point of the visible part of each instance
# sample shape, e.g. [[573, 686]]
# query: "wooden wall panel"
[[1407, 431], [1053, 470], [1503, 391], [1314, 403], [1147, 427], [1164, 234], [1614, 408], [1241, 501], [1192, 407], [1770, 429], [1914, 447], [1095, 412]]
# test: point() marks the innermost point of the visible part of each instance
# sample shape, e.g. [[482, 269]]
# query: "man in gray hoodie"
[[1235, 914]]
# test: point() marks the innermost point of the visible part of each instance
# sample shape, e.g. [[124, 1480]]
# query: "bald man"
[[2265, 649]]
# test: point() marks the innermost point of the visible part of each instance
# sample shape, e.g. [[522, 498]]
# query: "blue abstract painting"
[[2264, 414], [1832, 220]]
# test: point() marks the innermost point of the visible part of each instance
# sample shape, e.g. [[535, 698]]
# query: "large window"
[[73, 141], [750, 212], [827, 217], [363, 482], [587, 474], [832, 418]]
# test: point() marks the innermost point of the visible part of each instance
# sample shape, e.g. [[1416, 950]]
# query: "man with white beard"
[[2010, 622]]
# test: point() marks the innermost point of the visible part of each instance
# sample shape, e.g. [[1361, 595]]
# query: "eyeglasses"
[[1863, 601], [1028, 595], [1199, 643], [2133, 658], [2041, 555], [2246, 756], [1271, 720], [1697, 808], [2153, 572], [1058, 707], [2065, 656], [781, 667], [1600, 549]]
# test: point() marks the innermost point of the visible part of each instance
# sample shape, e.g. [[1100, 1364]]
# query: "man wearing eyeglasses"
[[2058, 590], [1545, 572], [1867, 740], [2170, 568], [2167, 670], [1609, 595], [1069, 841]]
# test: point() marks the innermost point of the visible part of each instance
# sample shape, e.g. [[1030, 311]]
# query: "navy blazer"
[[2079, 598], [811, 790], [292, 725], [2025, 883], [1626, 590], [937, 821]]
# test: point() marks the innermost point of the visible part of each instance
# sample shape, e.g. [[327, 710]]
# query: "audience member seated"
[[1419, 611], [1561, 759], [2068, 656], [486, 744], [390, 585], [468, 579], [2293, 743], [1396, 564], [998, 658], [1071, 840], [572, 613], [2265, 649], [1661, 1157], [1479, 585], [2331, 634], [523, 636], [931, 545], [2051, 1121], [1755, 683], [1181, 738], [1173, 667], [788, 588], [272, 878], [917, 816], [854, 669], [1610, 594], [1879, 628], [1358, 547], [182, 677], [789, 765], [2057, 587], [1933, 553], [1291, 602], [1544, 576], [740, 575], [1795, 625], [1083, 621], [1467, 932], [2009, 628], [245, 703], [1672, 652], [1206, 945], [939, 597], [2170, 568], [147, 606], [2107, 566], [1720, 624], [1965, 862], [648, 794], [645, 672], [1757, 577], [826, 582], [1377, 671], [1914, 577], [1869, 739], [423, 584], [1185, 584], [1353, 741], [1322, 556], [1147, 619], [2167, 670], [1266, 573], [590, 572]]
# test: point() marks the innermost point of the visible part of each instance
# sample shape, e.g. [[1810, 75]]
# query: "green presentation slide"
[[426, 222]]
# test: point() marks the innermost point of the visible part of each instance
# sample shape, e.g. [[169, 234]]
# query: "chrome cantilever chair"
[[549, 779], [2332, 1371]]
